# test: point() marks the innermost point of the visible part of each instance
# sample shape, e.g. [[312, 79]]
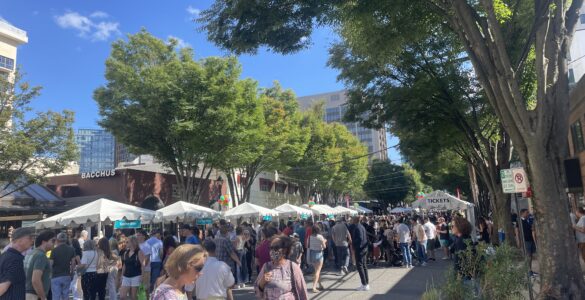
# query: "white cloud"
[[180, 42], [193, 11], [87, 27], [99, 14]]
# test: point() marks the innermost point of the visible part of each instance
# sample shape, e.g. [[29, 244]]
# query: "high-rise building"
[[10, 38], [123, 154], [335, 106], [576, 57], [97, 149]]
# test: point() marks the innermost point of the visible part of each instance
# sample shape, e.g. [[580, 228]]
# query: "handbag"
[[292, 282]]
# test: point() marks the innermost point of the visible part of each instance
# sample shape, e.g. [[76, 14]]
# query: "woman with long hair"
[[183, 267], [317, 244], [462, 231], [484, 231], [280, 278], [131, 269], [105, 259]]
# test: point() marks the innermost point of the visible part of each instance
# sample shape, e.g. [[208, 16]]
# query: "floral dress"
[[168, 292]]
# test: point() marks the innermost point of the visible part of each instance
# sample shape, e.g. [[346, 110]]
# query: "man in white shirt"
[[404, 240], [431, 232], [580, 231], [156, 249], [421, 240], [216, 277]]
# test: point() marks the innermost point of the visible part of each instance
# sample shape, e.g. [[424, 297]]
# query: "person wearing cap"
[[63, 259], [38, 268], [156, 251], [12, 276], [187, 233], [296, 250]]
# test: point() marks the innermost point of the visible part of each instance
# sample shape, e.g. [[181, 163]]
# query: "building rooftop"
[[12, 32]]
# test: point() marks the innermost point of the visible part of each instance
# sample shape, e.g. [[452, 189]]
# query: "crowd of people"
[[209, 262]]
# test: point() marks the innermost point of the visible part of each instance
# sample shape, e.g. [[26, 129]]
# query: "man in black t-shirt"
[[12, 276], [529, 236], [64, 260]]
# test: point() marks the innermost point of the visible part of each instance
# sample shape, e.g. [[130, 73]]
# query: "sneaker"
[[345, 270], [410, 266], [341, 273], [424, 264], [367, 287], [361, 288]]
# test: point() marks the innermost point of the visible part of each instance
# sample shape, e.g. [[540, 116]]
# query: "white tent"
[[439, 200], [289, 210], [322, 209], [398, 210], [345, 211], [362, 210], [101, 210], [249, 210], [186, 212]]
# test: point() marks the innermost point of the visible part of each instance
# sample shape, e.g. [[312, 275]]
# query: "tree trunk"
[[502, 217], [558, 258]]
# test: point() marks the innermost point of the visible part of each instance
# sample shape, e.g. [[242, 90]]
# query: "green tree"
[[190, 115], [34, 144], [279, 144], [392, 184]]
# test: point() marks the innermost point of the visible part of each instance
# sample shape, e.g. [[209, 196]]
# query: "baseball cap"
[[62, 237]]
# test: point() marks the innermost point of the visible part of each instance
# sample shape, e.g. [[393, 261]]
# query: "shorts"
[[189, 287], [132, 281], [315, 256], [431, 244], [530, 247], [444, 243]]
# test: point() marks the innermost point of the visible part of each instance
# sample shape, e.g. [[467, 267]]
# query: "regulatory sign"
[[514, 180], [126, 224]]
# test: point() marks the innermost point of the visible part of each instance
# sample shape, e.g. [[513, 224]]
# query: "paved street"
[[385, 283]]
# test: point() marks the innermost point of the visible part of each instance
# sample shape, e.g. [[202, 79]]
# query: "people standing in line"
[[529, 237], [280, 278], [580, 231], [146, 250], [183, 266], [342, 240], [421, 241], [38, 267], [241, 271], [431, 234], [360, 245], [404, 240], [13, 278], [64, 261], [444, 238], [216, 276], [317, 245], [131, 269], [156, 253]]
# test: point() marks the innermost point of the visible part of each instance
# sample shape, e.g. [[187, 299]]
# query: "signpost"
[[514, 181], [127, 224]]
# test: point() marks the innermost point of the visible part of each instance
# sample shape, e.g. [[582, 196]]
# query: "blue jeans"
[[406, 254], [242, 271], [155, 268], [341, 256], [421, 250], [60, 287]]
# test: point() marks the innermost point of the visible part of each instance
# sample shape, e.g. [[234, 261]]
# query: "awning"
[[186, 212]]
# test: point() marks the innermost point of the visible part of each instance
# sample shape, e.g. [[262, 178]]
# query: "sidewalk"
[[385, 283]]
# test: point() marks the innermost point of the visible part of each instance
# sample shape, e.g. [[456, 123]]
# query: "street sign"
[[203, 221], [127, 224], [514, 180]]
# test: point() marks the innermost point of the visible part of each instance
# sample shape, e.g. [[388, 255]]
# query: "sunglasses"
[[198, 268]]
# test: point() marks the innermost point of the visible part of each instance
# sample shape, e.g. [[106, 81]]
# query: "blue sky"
[[69, 42]]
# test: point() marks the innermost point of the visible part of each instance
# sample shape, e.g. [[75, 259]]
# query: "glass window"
[[280, 187], [265, 185], [7, 63], [292, 189], [577, 135], [334, 97], [571, 76]]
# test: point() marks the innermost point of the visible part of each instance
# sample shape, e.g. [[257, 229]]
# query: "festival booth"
[[292, 211], [100, 212], [345, 211], [441, 201], [322, 209], [182, 211], [362, 210], [251, 211], [400, 210]]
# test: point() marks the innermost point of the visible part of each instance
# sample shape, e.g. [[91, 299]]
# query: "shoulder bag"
[[292, 282]]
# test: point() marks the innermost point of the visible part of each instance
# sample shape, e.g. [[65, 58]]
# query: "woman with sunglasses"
[[183, 267], [281, 278]]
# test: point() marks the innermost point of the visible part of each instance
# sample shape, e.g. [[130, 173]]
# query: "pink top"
[[281, 287], [167, 292], [263, 253]]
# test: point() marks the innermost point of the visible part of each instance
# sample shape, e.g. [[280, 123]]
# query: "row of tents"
[[105, 212]]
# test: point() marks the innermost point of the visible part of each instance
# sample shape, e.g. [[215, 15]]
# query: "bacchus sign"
[[98, 174]]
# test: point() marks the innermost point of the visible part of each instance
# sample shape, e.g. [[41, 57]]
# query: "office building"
[[576, 55], [97, 149], [335, 106], [10, 38]]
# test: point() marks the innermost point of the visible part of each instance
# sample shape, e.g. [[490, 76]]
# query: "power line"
[[350, 158]]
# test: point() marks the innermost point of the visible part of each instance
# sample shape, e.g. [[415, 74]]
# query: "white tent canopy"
[[398, 210], [289, 210], [249, 210], [185, 212], [362, 210], [322, 209], [345, 211], [101, 210]]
